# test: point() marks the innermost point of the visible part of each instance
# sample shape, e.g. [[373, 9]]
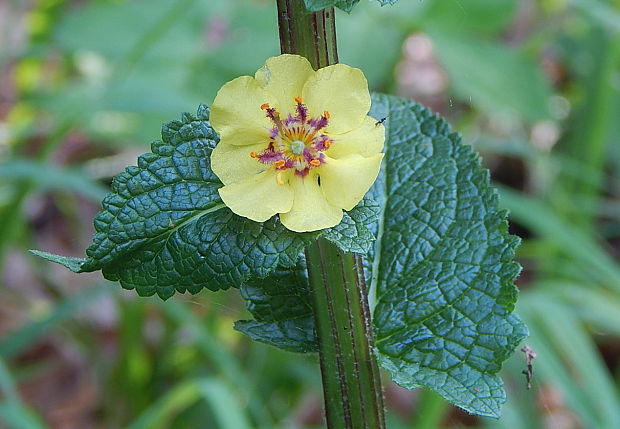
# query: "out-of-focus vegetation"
[[534, 85]]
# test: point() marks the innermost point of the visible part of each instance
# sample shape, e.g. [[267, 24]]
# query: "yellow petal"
[[365, 140], [343, 92], [284, 76], [345, 181], [233, 163], [236, 112], [259, 197], [310, 211]]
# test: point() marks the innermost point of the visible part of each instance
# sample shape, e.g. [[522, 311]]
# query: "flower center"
[[297, 147], [295, 142]]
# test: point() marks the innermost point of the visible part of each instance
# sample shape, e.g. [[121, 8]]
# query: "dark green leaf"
[[354, 234], [443, 268], [164, 227], [280, 303], [282, 311], [213, 251]]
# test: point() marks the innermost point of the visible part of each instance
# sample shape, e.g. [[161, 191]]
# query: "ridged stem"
[[351, 380], [349, 370], [312, 35]]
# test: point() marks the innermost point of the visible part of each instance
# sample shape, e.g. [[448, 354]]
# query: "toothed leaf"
[[444, 268]]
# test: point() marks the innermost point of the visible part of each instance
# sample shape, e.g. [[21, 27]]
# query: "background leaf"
[[492, 76]]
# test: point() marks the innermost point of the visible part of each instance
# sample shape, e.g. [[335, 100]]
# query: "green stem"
[[351, 379], [312, 35]]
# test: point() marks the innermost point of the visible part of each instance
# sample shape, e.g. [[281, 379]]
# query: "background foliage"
[[86, 85]]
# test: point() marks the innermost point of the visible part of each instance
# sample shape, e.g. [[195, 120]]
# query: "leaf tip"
[[74, 264]]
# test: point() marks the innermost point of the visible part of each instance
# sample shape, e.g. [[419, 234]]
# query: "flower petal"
[[259, 197], [365, 140], [284, 76], [233, 163], [345, 181], [343, 92], [236, 112], [310, 211]]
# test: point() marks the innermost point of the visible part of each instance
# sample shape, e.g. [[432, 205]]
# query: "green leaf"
[[282, 311], [354, 234], [316, 5], [164, 227], [346, 5], [280, 303], [442, 268], [70, 262]]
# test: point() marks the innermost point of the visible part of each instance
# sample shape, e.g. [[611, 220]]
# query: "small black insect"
[[380, 121]]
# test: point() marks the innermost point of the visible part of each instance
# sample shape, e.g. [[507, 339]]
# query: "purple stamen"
[[319, 123], [321, 144], [302, 112], [290, 120], [269, 157]]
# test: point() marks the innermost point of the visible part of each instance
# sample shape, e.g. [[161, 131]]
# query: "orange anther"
[[326, 114], [327, 144], [315, 162], [298, 100], [253, 154], [264, 106], [279, 163]]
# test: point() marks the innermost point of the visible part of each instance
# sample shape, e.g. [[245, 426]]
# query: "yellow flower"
[[297, 142]]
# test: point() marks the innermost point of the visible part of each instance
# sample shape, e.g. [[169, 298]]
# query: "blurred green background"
[[85, 85]]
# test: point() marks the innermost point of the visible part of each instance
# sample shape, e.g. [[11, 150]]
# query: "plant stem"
[[312, 35], [351, 379]]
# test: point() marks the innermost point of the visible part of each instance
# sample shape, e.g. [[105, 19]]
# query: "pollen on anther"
[[298, 100], [315, 162], [279, 163], [253, 155], [264, 106], [326, 114]]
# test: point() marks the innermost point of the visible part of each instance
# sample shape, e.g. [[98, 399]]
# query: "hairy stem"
[[351, 381]]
